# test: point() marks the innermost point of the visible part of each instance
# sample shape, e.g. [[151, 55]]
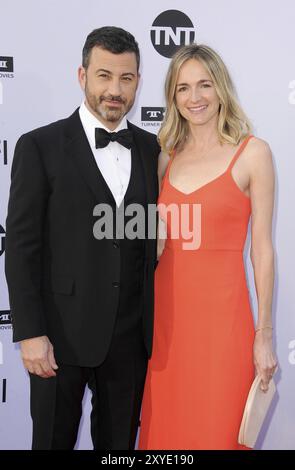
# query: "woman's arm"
[[262, 254]]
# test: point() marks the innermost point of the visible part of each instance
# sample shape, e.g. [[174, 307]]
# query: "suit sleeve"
[[27, 206]]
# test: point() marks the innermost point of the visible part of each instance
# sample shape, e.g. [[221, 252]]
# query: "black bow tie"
[[103, 138]]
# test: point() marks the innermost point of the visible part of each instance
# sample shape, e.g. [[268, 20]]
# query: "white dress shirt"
[[114, 160]]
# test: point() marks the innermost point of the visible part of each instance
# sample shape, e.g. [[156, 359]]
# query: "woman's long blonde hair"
[[233, 124]]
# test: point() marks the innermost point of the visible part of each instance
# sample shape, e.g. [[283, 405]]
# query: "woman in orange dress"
[[206, 349]]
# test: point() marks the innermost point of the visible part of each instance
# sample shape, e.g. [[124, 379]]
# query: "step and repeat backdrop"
[[40, 51]]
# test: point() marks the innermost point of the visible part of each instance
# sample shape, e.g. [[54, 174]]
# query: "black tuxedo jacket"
[[61, 280]]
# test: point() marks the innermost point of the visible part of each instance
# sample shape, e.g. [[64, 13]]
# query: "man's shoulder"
[[49, 131]]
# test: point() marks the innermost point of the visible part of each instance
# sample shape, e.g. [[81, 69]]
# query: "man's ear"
[[82, 77], [138, 79]]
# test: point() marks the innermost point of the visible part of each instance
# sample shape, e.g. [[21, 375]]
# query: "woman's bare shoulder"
[[258, 153], [257, 144]]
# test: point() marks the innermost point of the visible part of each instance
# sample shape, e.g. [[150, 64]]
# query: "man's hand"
[[38, 358]]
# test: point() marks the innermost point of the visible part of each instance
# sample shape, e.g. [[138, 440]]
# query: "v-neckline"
[[197, 189], [224, 173]]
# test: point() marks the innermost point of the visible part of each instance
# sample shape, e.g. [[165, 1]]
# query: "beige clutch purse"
[[257, 405]]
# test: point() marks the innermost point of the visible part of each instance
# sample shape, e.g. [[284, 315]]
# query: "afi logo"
[[152, 114], [5, 318], [2, 240], [6, 64], [171, 30]]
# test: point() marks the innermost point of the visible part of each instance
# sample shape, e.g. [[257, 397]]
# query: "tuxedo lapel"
[[77, 146], [79, 149]]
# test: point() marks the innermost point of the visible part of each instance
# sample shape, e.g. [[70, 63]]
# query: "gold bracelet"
[[263, 328]]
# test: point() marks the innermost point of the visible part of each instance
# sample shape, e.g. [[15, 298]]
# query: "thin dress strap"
[[239, 151]]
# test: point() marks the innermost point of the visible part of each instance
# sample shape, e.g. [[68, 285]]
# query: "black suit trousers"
[[117, 388]]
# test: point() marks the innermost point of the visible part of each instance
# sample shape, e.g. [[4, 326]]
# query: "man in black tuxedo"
[[82, 305]]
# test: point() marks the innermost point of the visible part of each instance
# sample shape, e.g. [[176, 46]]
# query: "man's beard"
[[97, 104]]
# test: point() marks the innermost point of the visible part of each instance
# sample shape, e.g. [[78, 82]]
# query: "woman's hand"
[[264, 358]]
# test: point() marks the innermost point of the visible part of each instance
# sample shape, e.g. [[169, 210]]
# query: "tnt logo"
[[171, 30], [6, 64], [2, 240], [152, 114]]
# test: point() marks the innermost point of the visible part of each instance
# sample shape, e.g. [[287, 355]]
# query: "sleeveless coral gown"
[[202, 367]]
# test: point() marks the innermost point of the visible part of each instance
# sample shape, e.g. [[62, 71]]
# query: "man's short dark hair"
[[112, 39]]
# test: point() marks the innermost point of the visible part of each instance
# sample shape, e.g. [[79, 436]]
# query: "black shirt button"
[[116, 284]]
